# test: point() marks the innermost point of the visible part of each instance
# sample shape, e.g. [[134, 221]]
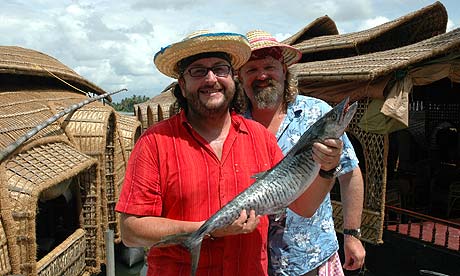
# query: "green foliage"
[[127, 104]]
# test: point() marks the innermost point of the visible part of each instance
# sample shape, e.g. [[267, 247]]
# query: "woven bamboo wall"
[[128, 131], [33, 171], [5, 261], [375, 151], [93, 130], [141, 113], [9, 252], [23, 110], [90, 218], [157, 108], [68, 259]]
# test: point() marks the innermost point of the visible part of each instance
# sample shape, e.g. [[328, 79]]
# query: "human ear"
[[181, 83]]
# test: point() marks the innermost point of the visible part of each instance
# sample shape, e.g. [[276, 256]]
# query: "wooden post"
[[110, 253]]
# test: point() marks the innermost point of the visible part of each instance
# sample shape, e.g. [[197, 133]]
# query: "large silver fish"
[[276, 188]]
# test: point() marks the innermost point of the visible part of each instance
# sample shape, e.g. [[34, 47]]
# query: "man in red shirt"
[[184, 169]]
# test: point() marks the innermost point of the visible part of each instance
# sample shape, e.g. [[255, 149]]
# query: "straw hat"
[[236, 45], [259, 39]]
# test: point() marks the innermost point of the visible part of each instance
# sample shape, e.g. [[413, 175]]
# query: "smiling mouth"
[[210, 91], [263, 84]]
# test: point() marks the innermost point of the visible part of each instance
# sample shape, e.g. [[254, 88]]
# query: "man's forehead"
[[209, 61], [264, 60]]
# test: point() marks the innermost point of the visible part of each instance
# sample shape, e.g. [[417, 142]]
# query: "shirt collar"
[[294, 110]]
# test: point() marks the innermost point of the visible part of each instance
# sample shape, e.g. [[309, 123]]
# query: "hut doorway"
[[424, 159], [57, 218]]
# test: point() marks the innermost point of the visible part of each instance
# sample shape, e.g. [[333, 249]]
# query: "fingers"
[[355, 254], [327, 153], [247, 223], [244, 224], [352, 264], [251, 223]]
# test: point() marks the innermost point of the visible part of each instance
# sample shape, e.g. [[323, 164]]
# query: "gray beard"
[[268, 97]]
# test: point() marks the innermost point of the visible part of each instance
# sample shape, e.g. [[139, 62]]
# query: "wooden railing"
[[429, 229]]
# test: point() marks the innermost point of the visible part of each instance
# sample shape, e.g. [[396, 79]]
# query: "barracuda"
[[276, 188]]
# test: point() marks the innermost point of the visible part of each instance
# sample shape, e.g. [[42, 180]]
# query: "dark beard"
[[207, 110], [268, 97]]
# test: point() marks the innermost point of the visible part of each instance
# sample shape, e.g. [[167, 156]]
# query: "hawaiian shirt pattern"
[[298, 245]]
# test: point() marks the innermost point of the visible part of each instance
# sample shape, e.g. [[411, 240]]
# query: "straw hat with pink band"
[[263, 44]]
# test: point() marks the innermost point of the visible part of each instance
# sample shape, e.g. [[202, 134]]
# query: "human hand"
[[354, 253], [242, 225], [327, 153]]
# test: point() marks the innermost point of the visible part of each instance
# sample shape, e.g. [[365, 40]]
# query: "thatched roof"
[[314, 76], [319, 27], [26, 62], [157, 108], [411, 28]]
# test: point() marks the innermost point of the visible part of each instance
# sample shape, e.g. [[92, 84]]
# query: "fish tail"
[[195, 253], [191, 241]]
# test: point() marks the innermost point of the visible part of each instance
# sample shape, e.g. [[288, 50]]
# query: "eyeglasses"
[[218, 70]]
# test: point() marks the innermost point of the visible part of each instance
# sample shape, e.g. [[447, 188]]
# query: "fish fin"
[[301, 146], [259, 175], [173, 239], [281, 214]]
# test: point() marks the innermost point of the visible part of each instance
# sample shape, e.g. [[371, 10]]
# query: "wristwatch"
[[353, 232], [330, 173]]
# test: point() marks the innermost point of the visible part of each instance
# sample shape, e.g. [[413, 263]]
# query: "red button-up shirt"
[[174, 173]]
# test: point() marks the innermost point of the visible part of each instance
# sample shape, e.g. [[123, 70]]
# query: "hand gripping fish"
[[275, 189]]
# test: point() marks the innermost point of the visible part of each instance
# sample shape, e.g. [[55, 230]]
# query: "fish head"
[[334, 123]]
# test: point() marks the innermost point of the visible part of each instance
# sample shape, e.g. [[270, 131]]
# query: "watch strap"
[[352, 232], [330, 173]]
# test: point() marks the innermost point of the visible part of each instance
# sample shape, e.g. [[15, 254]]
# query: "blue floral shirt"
[[298, 245]]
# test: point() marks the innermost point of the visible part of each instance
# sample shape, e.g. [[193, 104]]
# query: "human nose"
[[262, 75], [210, 75]]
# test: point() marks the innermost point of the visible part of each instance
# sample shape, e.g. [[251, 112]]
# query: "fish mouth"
[[348, 110]]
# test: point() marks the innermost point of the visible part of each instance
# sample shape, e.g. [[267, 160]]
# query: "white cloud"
[[374, 22], [451, 25], [112, 43]]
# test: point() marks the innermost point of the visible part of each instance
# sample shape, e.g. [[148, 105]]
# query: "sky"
[[111, 43]]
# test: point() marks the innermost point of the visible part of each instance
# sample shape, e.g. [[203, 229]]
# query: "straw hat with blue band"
[[259, 39], [235, 45]]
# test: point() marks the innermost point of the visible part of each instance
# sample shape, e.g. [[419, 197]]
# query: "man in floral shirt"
[[297, 245]]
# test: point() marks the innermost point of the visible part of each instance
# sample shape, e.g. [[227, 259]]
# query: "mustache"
[[256, 83], [211, 86]]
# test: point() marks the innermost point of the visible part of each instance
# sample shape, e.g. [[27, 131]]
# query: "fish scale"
[[276, 188]]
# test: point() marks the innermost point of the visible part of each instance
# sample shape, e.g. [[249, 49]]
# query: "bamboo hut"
[[157, 108], [382, 83], [62, 184]]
